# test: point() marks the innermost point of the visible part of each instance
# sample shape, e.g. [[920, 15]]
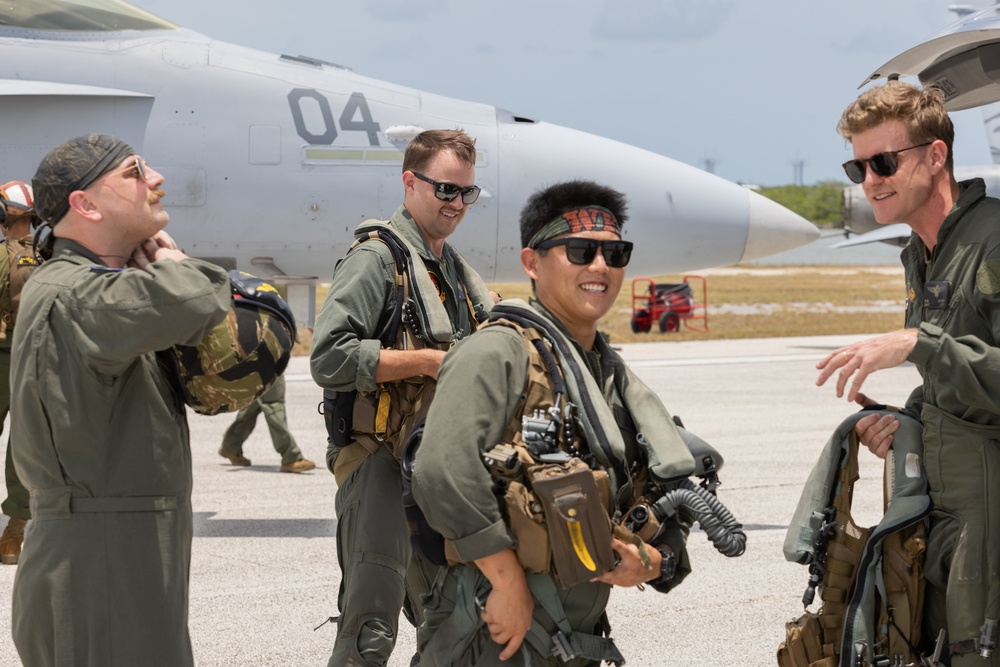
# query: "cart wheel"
[[670, 322], [641, 322]]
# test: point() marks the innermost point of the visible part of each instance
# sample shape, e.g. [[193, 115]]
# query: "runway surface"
[[264, 571]]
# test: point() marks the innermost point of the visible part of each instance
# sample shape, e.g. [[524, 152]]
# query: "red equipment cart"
[[668, 304]]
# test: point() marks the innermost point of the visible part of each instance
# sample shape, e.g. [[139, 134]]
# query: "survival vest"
[[15, 268], [870, 580], [386, 416], [547, 438], [566, 485]]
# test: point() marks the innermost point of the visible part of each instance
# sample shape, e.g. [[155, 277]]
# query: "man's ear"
[[529, 262], [408, 180], [939, 153], [84, 206]]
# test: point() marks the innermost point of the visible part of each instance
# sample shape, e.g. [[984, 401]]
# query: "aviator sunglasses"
[[136, 165], [448, 191], [883, 164], [583, 251]]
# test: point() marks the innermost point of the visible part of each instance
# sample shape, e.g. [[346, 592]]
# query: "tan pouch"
[[803, 645], [527, 523], [578, 524], [363, 415]]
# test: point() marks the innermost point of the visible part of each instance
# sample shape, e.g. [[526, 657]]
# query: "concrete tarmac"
[[265, 574]]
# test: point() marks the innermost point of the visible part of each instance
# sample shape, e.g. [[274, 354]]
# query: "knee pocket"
[[375, 641]]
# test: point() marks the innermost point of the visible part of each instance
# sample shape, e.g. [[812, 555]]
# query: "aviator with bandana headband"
[[73, 165]]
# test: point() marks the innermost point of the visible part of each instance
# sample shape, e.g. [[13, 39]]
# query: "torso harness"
[[419, 320]]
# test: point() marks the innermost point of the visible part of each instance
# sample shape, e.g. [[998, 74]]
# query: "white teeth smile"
[[881, 197], [594, 287]]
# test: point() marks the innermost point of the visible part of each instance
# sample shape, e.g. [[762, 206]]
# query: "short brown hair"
[[920, 110], [429, 143]]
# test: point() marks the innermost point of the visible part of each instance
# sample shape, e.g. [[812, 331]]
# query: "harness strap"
[[590, 647], [564, 643], [391, 331], [529, 320]]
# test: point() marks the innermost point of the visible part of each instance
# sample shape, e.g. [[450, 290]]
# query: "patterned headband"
[[583, 219]]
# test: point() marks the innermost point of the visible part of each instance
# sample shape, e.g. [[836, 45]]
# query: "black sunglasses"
[[448, 191], [883, 164], [583, 251]]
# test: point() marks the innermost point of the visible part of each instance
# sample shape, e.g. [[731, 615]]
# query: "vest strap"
[[564, 643]]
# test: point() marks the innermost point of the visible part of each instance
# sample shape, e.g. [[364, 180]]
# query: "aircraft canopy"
[[79, 16]]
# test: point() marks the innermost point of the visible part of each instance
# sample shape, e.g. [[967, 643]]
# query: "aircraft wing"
[[897, 234], [20, 87], [963, 60], [72, 109]]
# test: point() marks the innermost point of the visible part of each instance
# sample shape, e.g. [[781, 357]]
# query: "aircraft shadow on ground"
[[206, 526]]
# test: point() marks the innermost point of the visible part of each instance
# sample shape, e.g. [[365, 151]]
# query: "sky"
[[753, 87]]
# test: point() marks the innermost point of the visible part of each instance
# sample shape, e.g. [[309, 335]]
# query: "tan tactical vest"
[[14, 273], [870, 580], [525, 480]]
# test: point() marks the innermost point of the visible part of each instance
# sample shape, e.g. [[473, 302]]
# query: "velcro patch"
[[988, 277]]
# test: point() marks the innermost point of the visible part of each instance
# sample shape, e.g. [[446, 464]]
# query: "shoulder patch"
[[988, 277]]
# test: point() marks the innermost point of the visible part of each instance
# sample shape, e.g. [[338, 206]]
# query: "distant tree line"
[[820, 203]]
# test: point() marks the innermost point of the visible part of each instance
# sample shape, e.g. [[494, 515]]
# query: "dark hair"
[[422, 149], [549, 203]]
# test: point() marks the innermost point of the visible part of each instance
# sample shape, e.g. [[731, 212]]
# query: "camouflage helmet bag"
[[243, 355]]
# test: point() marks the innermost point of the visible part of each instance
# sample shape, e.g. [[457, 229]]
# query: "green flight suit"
[[15, 505], [480, 386], [378, 571], [272, 404], [100, 439], [953, 297]]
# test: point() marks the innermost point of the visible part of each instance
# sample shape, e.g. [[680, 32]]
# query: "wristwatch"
[[668, 564]]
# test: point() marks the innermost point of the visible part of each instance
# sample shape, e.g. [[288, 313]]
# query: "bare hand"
[[862, 359], [507, 615], [155, 248], [629, 571], [164, 240], [875, 432]]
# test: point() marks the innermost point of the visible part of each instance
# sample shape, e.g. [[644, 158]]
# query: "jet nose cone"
[[773, 229]]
